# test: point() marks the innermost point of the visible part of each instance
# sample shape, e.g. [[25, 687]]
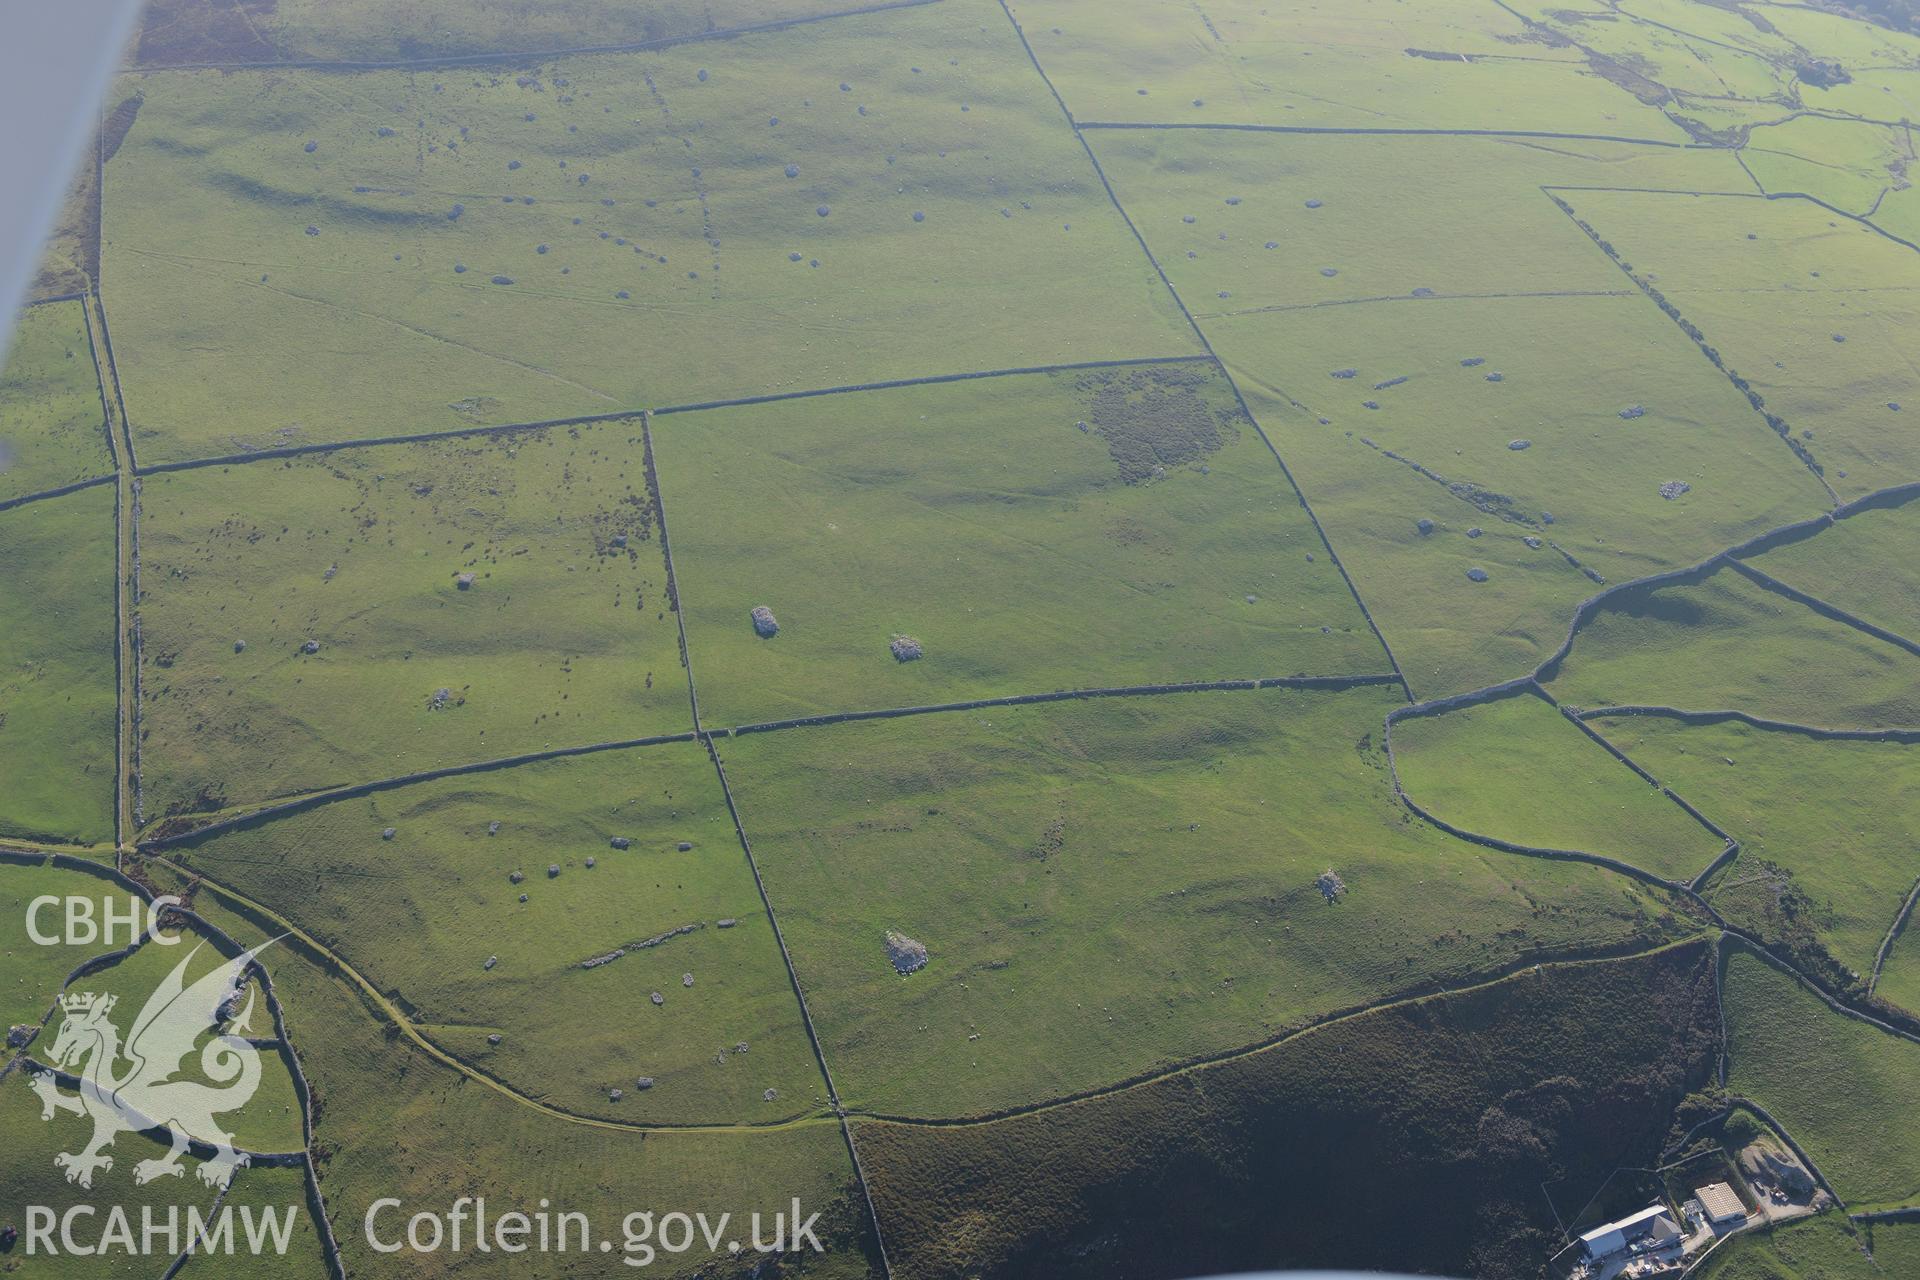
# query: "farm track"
[[127, 469]]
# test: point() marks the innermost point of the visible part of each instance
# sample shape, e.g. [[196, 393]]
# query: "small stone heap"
[[907, 955], [1330, 885], [904, 648], [1674, 488], [764, 623]]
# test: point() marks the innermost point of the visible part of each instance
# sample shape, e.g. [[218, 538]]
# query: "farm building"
[[1647, 1231], [1720, 1205]]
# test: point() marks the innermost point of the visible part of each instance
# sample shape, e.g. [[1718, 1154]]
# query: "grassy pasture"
[[57, 669], [1457, 1108], [1725, 643], [1827, 829], [52, 429], [266, 1190], [1587, 479], [1456, 216], [1160, 543], [421, 914], [1900, 976], [565, 636], [1449, 633], [28, 1176], [180, 32], [1691, 51], [1108, 887], [31, 973], [365, 328], [1365, 64], [1517, 770], [270, 1121], [397, 1123], [1816, 322], [1821, 1248], [1846, 163], [1838, 1085], [1863, 564]]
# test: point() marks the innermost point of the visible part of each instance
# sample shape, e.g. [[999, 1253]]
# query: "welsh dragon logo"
[[132, 1085]]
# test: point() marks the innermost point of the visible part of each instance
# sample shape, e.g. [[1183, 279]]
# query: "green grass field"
[[420, 915], [564, 638], [1821, 1248], [1814, 325], [270, 1120], [364, 328], [32, 973], [1727, 644], [57, 691], [266, 1190], [1862, 564], [1449, 64], [1135, 878], [28, 1177], [1838, 1085], [1827, 829], [1517, 770], [398, 1124], [52, 428], [1106, 528], [179, 32]]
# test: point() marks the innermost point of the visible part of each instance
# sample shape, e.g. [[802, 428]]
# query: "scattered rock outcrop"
[[906, 954], [904, 649]]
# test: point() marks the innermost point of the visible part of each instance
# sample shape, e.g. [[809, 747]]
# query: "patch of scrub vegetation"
[[35, 970], [1815, 333], [1115, 886], [1724, 643], [546, 924], [57, 694], [1827, 831], [1840, 1086], [1863, 564], [1821, 1248], [1367, 63], [182, 32], [29, 1177], [263, 1191], [1100, 528], [52, 426], [339, 618], [1517, 770], [399, 1123], [513, 239], [1456, 1108]]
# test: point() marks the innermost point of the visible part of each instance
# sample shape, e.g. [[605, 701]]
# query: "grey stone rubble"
[[685, 846], [1391, 382], [771, 1094], [1532, 541], [1518, 445], [644, 1082], [727, 923], [1475, 532], [904, 648], [311, 646], [21, 1034], [516, 876], [906, 954], [621, 842], [1344, 374], [1330, 885], [1674, 488], [493, 828], [592, 862], [388, 833], [644, 944], [657, 998], [1633, 411], [1476, 574], [464, 581], [614, 1095], [686, 979], [494, 1038], [1473, 362], [439, 699], [490, 962], [239, 646], [1424, 525], [764, 623], [553, 869]]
